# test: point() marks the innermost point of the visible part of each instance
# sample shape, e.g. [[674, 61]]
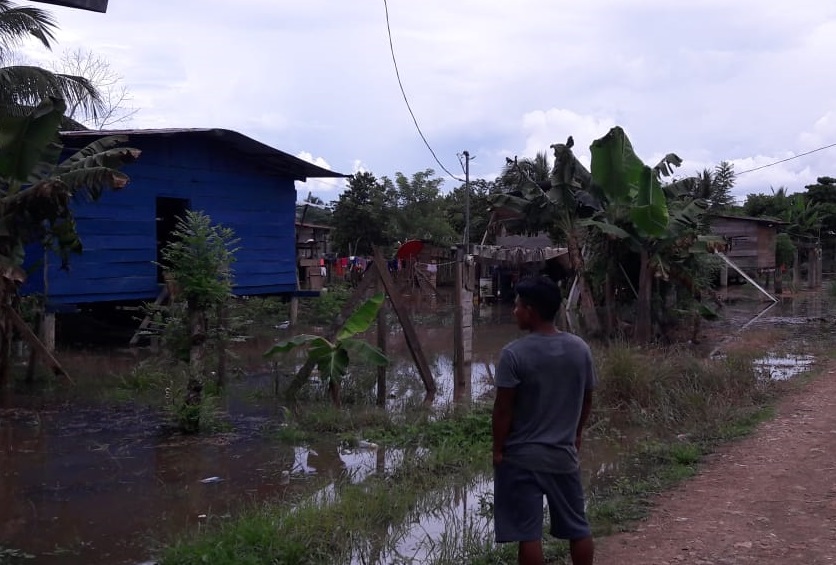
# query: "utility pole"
[[466, 199], [463, 305]]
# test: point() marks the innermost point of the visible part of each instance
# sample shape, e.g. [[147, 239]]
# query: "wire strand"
[[406, 100], [785, 160]]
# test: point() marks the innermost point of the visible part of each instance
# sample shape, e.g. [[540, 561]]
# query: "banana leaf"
[[623, 177], [26, 141], [362, 318]]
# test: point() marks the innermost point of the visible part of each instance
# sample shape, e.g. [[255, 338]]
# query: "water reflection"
[[783, 367], [448, 518]]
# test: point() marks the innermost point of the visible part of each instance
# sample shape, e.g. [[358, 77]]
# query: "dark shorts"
[[518, 504]]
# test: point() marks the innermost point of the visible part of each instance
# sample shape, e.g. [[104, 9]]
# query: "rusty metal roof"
[[269, 158]]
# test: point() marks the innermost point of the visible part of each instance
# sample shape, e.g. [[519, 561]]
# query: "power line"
[[406, 100], [785, 160]]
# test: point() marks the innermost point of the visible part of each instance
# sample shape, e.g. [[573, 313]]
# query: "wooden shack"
[[237, 181], [313, 248], [751, 240]]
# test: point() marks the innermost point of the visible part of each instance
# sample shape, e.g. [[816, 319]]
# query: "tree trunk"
[[220, 377], [609, 294], [334, 390], [190, 421], [587, 304], [643, 331]]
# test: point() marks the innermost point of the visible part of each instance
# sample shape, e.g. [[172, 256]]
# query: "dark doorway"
[[169, 212]]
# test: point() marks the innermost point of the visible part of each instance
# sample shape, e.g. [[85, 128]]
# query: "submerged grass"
[[334, 523]]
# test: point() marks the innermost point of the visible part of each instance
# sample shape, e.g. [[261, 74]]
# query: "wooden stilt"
[[48, 331], [796, 270], [294, 310]]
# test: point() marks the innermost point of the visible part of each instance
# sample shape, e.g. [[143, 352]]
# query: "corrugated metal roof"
[[269, 158]]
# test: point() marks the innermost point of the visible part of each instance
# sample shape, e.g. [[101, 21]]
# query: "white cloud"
[[326, 188], [745, 81], [545, 128]]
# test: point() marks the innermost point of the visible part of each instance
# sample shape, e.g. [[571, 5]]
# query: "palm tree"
[[23, 87]]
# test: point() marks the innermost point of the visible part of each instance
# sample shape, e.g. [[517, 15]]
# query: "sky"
[[750, 81]]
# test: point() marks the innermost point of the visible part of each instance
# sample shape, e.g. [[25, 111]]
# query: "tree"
[[313, 211], [25, 86], [773, 205], [480, 213], [199, 260], [822, 196], [36, 191], [361, 216], [529, 179], [419, 208], [721, 197], [715, 186], [115, 98]]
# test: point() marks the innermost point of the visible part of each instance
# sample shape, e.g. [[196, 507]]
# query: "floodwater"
[[85, 482]]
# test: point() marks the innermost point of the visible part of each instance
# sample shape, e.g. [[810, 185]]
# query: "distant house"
[[751, 240], [239, 182], [312, 240], [313, 248]]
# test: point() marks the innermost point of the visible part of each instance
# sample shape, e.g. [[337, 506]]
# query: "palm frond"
[[26, 85], [18, 23], [99, 157], [92, 182]]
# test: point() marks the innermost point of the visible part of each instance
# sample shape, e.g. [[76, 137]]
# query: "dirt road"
[[767, 499]]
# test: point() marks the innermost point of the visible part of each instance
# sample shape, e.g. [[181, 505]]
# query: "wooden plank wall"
[[746, 246], [119, 231]]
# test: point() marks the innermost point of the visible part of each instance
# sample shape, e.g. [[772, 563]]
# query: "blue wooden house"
[[238, 181]]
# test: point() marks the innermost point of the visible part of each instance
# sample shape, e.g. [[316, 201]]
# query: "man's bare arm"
[[503, 410]]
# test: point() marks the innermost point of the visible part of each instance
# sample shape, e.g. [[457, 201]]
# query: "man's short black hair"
[[542, 294]]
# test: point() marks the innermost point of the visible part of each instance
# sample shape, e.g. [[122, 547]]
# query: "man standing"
[[543, 399]]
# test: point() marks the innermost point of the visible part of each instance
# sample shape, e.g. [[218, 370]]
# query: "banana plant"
[[332, 358], [637, 212]]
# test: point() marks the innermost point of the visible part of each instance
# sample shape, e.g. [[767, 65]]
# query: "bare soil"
[[768, 499]]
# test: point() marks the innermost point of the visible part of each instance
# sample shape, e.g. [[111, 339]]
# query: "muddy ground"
[[768, 499]]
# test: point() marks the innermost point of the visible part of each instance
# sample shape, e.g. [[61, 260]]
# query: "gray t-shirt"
[[551, 374]]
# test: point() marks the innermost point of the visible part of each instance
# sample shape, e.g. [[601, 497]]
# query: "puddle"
[[450, 517], [784, 367]]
